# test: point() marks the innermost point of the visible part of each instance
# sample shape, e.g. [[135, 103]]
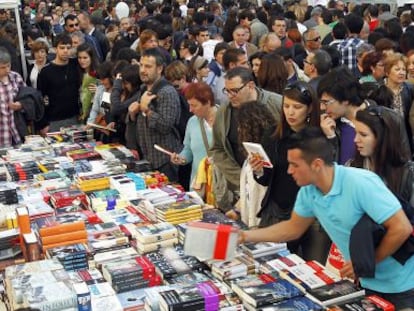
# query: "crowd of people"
[[325, 89]]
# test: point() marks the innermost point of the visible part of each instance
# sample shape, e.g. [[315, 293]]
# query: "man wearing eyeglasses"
[[311, 43], [72, 25], [227, 150]]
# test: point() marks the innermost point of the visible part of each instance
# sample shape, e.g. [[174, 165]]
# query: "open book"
[[97, 126], [257, 151]]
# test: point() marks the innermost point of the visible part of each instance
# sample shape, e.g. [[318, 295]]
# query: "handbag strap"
[[203, 134]]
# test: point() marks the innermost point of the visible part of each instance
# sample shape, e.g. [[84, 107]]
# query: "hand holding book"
[[258, 159]]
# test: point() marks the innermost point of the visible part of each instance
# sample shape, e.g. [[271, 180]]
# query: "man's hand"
[[328, 125], [347, 271], [16, 106], [146, 98]]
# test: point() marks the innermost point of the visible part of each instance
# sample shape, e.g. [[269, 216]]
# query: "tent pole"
[[19, 33]]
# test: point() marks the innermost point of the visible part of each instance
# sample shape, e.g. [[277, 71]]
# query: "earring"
[[308, 118]]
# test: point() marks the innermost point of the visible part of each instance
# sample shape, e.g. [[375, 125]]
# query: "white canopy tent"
[[14, 5]]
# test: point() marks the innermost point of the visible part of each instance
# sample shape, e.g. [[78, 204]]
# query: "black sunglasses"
[[314, 39], [73, 25], [303, 89]]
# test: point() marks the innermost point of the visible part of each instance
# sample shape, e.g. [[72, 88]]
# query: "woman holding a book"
[[300, 109]]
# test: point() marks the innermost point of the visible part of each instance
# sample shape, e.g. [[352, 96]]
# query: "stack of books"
[[83, 154], [77, 133], [334, 293], [170, 262], [108, 199], [256, 250], [8, 193], [132, 274], [72, 257], [238, 267], [114, 151], [179, 212], [263, 290], [64, 197], [150, 238], [371, 303], [107, 241], [88, 182], [137, 179], [124, 185], [114, 255], [22, 171], [53, 234]]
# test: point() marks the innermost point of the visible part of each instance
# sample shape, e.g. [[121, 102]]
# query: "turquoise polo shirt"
[[356, 192]]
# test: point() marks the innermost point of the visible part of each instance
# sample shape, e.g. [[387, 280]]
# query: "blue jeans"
[[401, 301]]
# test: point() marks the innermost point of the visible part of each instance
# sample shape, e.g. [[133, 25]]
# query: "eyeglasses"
[[182, 47], [73, 25], [234, 91], [314, 39], [305, 61], [327, 102]]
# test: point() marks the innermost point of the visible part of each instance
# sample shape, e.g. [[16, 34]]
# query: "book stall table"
[[81, 229]]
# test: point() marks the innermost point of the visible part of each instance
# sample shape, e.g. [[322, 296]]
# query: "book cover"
[[262, 247], [67, 252], [65, 243], [132, 300], [151, 247], [296, 304], [268, 293], [365, 303], [219, 241], [155, 233], [257, 151], [44, 297], [181, 298], [334, 293], [83, 296]]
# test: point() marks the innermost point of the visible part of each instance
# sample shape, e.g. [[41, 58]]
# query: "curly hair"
[[257, 121]]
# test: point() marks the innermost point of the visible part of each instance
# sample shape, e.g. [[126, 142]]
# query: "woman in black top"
[[300, 109]]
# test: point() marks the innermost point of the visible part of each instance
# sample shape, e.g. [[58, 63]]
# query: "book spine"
[[156, 238], [64, 303], [125, 287], [46, 247], [64, 237], [63, 228]]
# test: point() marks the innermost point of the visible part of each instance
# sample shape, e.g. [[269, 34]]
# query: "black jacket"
[[32, 111]]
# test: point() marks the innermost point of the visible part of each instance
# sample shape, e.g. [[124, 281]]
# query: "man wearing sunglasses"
[[72, 25], [226, 150]]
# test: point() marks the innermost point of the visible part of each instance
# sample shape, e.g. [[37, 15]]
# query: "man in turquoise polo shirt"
[[338, 197]]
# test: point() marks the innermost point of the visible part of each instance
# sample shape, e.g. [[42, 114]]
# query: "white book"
[[256, 150]]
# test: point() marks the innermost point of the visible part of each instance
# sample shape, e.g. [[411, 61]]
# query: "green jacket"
[[221, 151]]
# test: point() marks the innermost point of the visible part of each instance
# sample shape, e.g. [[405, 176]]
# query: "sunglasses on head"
[[304, 91]]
